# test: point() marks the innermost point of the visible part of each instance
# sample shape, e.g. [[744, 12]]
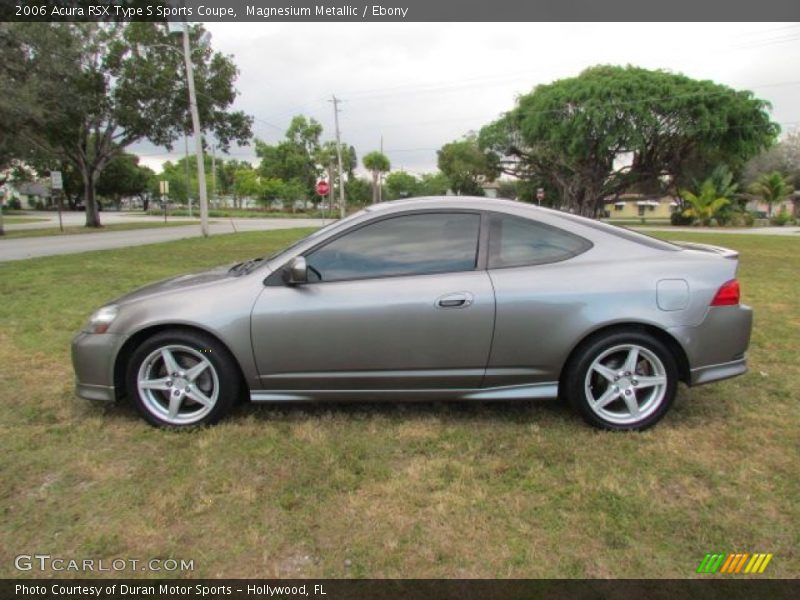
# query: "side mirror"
[[296, 272]]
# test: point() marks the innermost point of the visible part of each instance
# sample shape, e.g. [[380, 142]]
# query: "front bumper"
[[93, 358]]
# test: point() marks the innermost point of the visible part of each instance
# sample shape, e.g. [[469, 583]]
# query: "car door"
[[542, 305], [396, 303]]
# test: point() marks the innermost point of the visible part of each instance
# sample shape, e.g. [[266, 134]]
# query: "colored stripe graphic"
[[734, 563]]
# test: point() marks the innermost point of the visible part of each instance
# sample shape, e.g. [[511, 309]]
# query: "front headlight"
[[101, 320]]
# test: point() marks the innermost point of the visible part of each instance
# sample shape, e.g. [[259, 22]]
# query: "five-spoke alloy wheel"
[[182, 378], [624, 380]]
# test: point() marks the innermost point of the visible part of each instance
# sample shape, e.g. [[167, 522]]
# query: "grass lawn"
[[390, 490], [75, 230], [13, 220], [245, 213]]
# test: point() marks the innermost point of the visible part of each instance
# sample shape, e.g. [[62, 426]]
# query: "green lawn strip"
[[390, 490], [12, 220], [76, 230], [234, 213]]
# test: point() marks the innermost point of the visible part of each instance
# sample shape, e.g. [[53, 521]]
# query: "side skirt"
[[510, 392]]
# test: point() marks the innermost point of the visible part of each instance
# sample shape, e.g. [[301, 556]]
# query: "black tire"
[[203, 400], [608, 382]]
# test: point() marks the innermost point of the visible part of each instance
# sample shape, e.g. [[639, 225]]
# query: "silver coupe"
[[430, 299]]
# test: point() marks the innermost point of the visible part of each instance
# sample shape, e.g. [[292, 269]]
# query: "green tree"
[[357, 191], [401, 185], [433, 184], [783, 157], [466, 166], [376, 163], [772, 188], [704, 205], [612, 128], [226, 177], [123, 176], [247, 183], [295, 158], [83, 92]]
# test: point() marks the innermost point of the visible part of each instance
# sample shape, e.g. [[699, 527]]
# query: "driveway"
[[21, 248]]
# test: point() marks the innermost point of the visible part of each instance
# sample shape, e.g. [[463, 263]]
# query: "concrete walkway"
[[788, 231], [21, 248]]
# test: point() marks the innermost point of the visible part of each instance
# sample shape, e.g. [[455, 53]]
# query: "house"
[[790, 205], [31, 194], [491, 189], [640, 206]]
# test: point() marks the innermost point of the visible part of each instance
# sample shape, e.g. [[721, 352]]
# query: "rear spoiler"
[[718, 250]]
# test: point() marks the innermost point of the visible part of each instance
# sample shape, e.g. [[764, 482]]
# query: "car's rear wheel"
[[182, 378], [622, 381]]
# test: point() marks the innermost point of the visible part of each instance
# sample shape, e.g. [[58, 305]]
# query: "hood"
[[177, 283]]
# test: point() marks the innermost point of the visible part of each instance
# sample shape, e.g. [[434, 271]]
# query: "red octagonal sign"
[[323, 188]]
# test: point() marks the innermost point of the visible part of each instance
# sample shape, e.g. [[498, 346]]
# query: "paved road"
[[21, 248]]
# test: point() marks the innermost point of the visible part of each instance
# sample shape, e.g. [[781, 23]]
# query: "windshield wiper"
[[245, 267]]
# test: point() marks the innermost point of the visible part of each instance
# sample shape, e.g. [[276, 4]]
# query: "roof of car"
[[554, 217]]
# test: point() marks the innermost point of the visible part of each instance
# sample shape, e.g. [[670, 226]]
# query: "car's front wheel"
[[182, 378], [624, 380]]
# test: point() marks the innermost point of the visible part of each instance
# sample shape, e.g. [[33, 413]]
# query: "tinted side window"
[[406, 245], [517, 242]]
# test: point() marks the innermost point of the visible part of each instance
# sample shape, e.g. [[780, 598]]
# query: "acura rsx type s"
[[430, 299]]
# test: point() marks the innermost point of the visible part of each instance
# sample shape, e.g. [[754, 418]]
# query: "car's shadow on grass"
[[503, 411], [691, 410], [518, 411]]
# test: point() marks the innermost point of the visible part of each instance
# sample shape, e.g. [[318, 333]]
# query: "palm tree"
[[705, 205], [377, 163], [772, 188]]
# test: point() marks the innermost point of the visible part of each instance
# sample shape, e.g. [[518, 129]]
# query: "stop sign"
[[323, 188]]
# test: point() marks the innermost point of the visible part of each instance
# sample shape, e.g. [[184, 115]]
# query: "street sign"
[[56, 183], [163, 187], [323, 188], [540, 194]]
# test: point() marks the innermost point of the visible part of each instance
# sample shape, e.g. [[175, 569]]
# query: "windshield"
[[317, 233]]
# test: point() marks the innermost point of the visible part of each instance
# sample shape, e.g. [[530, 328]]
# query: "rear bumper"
[[716, 347], [711, 373]]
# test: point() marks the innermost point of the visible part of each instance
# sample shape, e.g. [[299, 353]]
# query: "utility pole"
[[213, 174], [198, 135], [380, 177], [342, 210], [188, 179]]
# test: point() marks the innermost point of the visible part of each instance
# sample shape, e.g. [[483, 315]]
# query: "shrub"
[[13, 204], [782, 218], [741, 219], [677, 218]]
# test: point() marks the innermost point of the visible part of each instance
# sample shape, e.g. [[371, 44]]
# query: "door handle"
[[455, 300]]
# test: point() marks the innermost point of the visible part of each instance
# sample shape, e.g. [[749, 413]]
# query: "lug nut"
[[169, 383], [627, 392], [176, 393]]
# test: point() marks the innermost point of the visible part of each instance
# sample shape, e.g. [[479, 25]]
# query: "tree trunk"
[[90, 202], [374, 187]]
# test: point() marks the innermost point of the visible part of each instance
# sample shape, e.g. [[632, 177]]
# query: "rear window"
[[519, 242], [621, 232]]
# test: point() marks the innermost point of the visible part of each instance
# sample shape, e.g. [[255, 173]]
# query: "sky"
[[421, 85]]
